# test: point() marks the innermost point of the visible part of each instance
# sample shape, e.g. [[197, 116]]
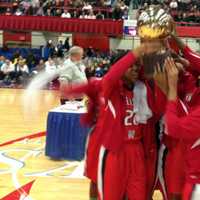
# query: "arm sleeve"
[[193, 58], [75, 90], [116, 72], [66, 75], [187, 127]]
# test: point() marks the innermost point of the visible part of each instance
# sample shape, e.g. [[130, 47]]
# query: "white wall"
[[41, 38], [1, 38], [37, 39], [122, 43]]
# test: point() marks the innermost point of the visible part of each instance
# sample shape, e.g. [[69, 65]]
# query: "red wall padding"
[[12, 36], [95, 41]]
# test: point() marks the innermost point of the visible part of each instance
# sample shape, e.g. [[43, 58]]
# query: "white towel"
[[141, 108]]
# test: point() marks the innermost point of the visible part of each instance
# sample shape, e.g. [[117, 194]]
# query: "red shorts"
[[92, 153], [122, 173], [191, 192], [175, 170]]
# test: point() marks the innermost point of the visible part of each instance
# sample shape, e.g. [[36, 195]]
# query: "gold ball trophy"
[[155, 25]]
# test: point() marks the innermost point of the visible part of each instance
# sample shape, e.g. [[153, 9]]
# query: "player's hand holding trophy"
[[154, 27]]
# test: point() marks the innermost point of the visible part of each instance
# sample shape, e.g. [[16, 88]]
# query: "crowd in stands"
[[116, 9], [17, 70], [181, 10]]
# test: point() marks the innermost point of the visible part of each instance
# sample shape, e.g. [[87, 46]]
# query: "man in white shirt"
[[73, 70], [66, 14]]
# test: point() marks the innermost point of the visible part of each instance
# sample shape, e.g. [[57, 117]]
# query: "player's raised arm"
[[179, 127], [191, 56], [120, 67]]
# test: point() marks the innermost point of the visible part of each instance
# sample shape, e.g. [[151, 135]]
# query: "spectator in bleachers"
[[25, 5], [58, 12], [173, 4], [18, 12], [40, 11], [2, 61], [39, 67], [123, 6], [83, 15], [50, 66], [77, 3], [125, 14], [21, 72], [31, 61], [91, 15], [75, 14], [8, 12], [49, 12], [117, 12], [99, 15], [60, 49], [87, 7], [8, 71], [66, 14], [184, 4]]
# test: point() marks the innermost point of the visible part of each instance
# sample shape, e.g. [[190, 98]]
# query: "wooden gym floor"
[[22, 163]]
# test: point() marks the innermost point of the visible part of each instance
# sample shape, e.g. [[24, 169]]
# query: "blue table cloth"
[[66, 137]]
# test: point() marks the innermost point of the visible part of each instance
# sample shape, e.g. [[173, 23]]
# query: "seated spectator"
[[99, 15], [75, 14], [87, 7], [77, 3], [173, 4], [21, 72], [40, 11], [8, 12], [91, 15], [66, 14], [83, 15], [50, 66], [18, 12], [49, 13], [58, 13], [31, 60], [117, 12], [125, 14], [8, 71], [123, 6], [25, 5], [39, 67], [2, 61]]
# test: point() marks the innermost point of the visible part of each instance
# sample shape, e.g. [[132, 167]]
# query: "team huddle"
[[145, 131], [123, 156]]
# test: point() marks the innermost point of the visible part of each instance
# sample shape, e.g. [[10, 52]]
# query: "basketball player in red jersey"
[[188, 127], [127, 109], [126, 62], [190, 95], [92, 90]]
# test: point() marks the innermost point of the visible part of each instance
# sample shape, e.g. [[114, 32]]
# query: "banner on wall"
[[130, 28], [17, 39]]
